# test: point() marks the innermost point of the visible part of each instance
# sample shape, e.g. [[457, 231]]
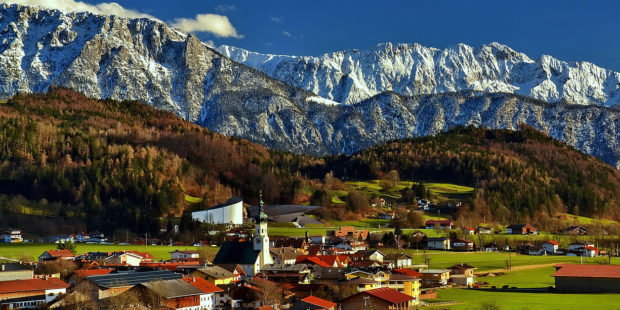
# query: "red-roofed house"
[[313, 260], [207, 300], [469, 231], [550, 247], [30, 293], [379, 298], [52, 255], [407, 272], [587, 278], [314, 303]]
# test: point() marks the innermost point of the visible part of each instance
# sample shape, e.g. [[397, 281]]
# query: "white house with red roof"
[[207, 300], [468, 231], [123, 259], [31, 293], [550, 246]]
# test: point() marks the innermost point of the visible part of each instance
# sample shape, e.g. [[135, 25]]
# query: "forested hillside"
[[517, 174], [69, 163], [94, 164]]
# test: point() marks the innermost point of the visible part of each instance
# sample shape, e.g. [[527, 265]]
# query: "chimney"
[[194, 279]]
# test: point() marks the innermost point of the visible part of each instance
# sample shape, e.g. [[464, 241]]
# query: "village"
[[345, 268]]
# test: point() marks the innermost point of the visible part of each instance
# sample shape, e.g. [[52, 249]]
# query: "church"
[[250, 255]]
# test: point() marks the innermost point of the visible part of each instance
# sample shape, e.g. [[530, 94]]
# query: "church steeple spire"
[[261, 216]]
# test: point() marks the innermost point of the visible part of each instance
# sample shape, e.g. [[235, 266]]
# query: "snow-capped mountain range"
[[295, 105], [412, 69]]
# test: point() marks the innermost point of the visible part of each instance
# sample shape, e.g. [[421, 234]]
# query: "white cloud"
[[276, 19], [104, 8], [209, 43], [218, 25], [293, 36], [286, 33], [225, 8]]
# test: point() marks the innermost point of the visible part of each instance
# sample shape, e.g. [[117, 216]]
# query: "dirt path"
[[524, 267]]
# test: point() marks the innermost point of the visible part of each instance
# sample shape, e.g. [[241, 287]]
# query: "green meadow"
[[159, 252]]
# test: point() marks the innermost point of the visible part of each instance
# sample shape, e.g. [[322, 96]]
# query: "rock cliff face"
[[142, 59], [412, 69]]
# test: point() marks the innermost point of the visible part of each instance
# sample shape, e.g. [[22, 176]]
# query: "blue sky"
[[569, 30]]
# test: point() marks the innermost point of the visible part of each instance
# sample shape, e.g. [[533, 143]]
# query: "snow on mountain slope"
[[144, 59], [412, 69]]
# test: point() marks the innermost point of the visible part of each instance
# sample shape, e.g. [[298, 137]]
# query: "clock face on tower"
[[257, 240]]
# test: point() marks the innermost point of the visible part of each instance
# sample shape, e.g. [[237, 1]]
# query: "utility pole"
[[509, 258]]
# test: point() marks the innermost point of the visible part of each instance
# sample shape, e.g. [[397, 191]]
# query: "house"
[[443, 224], [379, 298], [405, 284], [434, 277], [462, 245], [10, 272], [521, 229], [314, 303], [373, 255], [360, 284], [11, 236], [468, 230], [483, 230], [589, 251], [317, 239], [227, 213], [288, 242], [328, 275], [550, 246], [184, 255], [251, 256], [30, 293], [168, 294], [99, 287], [313, 260], [575, 246], [207, 300], [349, 232], [53, 255], [124, 259], [219, 275], [587, 278], [576, 230], [398, 260], [80, 274], [66, 238], [438, 243], [462, 268], [283, 255]]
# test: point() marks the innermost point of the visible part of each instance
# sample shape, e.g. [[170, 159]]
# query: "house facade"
[[587, 278], [521, 229], [11, 236], [438, 243]]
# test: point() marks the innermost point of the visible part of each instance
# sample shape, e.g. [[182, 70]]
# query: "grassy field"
[[33, 250], [475, 299], [375, 188], [485, 261], [530, 278]]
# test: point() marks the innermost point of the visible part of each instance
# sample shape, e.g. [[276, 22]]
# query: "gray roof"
[[14, 267], [233, 200], [285, 267], [277, 211], [216, 272], [172, 288], [132, 278], [232, 252]]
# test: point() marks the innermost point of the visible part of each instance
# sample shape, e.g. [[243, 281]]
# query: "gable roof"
[[284, 253], [203, 285], [232, 252], [319, 302], [552, 242], [588, 271], [216, 272], [174, 288], [132, 278], [407, 271], [92, 272], [15, 286], [59, 253], [390, 295], [462, 266]]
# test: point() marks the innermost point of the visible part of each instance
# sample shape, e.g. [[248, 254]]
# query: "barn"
[[587, 278]]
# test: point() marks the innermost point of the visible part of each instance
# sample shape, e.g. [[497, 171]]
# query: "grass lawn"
[[530, 278], [474, 299], [484, 261], [159, 252], [364, 223]]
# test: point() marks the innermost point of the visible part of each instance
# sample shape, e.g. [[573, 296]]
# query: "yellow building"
[[405, 284]]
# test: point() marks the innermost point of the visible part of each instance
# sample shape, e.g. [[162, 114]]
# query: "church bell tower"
[[261, 239]]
